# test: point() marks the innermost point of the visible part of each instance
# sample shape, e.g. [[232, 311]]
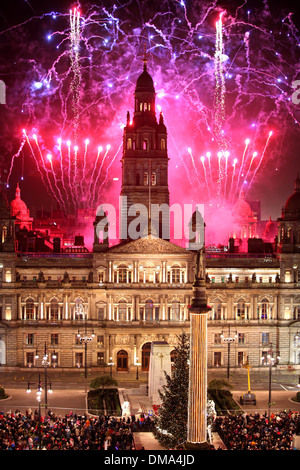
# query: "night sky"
[[42, 73]]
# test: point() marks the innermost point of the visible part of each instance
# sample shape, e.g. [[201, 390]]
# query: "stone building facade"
[[139, 291]]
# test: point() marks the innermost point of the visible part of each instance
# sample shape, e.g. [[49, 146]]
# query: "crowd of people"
[[29, 431], [259, 432]]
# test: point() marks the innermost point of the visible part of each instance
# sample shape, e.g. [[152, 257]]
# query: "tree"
[[171, 423], [103, 381]]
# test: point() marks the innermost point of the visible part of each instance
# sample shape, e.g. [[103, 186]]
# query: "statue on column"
[[200, 265]]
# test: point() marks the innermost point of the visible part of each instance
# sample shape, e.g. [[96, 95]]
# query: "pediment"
[[148, 245]]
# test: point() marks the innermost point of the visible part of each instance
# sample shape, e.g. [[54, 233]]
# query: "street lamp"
[[39, 397], [137, 364], [46, 361], [270, 361], [228, 339], [85, 338], [111, 364]]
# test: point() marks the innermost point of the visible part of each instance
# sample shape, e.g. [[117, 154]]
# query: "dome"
[[18, 207], [270, 231], [145, 82], [292, 205], [242, 210]]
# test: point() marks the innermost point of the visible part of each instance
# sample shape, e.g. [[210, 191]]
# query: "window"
[[29, 339], [241, 358], [129, 144], [146, 182], [100, 341], [175, 311], [174, 274], [297, 312], [29, 359], [264, 309], [122, 310], [79, 309], [29, 309], [288, 276], [100, 358], [149, 310], [241, 338], [101, 311], [146, 350], [217, 310], [217, 338], [122, 274], [296, 340], [163, 144], [122, 360], [217, 359], [265, 338], [54, 339], [54, 359], [145, 144], [54, 310], [79, 360], [241, 310], [153, 179]]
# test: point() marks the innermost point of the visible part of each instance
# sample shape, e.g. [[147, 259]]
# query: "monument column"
[[197, 403]]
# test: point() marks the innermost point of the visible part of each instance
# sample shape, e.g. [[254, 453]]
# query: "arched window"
[[297, 312], [54, 310], [122, 360], [175, 311], [122, 274], [129, 143], [174, 274], [149, 310], [145, 144], [163, 144], [29, 309], [4, 234], [241, 310], [153, 179], [217, 310], [146, 181], [79, 309], [122, 310], [264, 309], [146, 350]]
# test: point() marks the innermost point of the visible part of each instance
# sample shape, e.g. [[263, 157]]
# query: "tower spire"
[[145, 57]]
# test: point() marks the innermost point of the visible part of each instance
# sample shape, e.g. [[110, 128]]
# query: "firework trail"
[[75, 35], [261, 158], [241, 166], [80, 82]]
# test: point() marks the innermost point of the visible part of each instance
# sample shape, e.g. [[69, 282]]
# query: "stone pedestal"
[[160, 362]]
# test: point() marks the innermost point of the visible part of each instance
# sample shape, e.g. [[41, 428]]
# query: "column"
[[197, 427], [19, 313]]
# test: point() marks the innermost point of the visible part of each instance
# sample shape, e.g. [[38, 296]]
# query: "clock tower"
[[144, 191]]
